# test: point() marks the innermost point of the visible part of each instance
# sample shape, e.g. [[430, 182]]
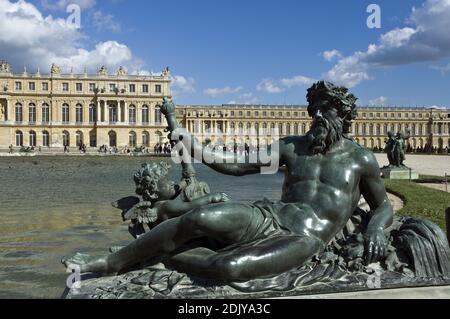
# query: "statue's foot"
[[86, 264]]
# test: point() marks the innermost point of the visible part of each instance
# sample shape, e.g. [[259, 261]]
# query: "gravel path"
[[423, 164], [440, 187]]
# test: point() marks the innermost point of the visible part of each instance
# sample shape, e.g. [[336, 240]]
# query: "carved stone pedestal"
[[390, 172]]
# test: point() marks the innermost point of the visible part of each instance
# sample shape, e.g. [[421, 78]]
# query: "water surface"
[[52, 207]]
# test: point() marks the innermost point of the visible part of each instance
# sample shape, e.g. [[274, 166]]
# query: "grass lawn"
[[421, 201]]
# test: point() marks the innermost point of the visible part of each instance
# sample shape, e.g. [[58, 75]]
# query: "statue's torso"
[[322, 190]]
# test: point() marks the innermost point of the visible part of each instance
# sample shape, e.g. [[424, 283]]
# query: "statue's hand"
[[168, 107], [219, 198], [375, 244]]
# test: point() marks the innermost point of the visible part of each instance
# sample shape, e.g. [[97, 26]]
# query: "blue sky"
[[246, 51]]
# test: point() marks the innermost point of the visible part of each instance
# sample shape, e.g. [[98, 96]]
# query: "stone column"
[[39, 112], [98, 112], [125, 112], [139, 114], [119, 112], [9, 111], [72, 113], [106, 112], [86, 106]]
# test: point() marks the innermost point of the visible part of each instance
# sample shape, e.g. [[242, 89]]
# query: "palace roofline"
[[298, 106], [85, 76]]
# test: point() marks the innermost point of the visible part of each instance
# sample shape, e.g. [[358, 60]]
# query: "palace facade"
[[430, 127], [56, 110]]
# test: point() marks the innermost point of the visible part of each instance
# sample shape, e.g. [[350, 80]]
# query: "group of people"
[[82, 148], [240, 149], [108, 149], [165, 148]]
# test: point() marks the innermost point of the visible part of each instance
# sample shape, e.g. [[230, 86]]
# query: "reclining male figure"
[[326, 174]]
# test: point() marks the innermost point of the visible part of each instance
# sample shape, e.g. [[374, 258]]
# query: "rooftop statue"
[[55, 69], [103, 70], [5, 67], [122, 71], [315, 233]]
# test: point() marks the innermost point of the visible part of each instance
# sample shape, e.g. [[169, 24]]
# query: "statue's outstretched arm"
[[175, 208], [223, 162], [374, 192], [227, 162]]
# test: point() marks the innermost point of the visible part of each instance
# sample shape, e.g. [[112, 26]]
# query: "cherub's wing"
[[142, 214]]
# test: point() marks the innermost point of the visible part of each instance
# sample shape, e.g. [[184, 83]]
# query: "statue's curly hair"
[[146, 179], [327, 94]]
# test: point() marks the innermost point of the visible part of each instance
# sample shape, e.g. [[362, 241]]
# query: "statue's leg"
[[269, 257], [225, 222]]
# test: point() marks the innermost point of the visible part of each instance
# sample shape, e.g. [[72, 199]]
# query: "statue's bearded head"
[[332, 109]]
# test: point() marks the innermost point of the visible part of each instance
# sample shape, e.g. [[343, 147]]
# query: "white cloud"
[[298, 80], [246, 98], [29, 37], [331, 55], [425, 39], [269, 86], [215, 92], [62, 4], [444, 69], [104, 21], [181, 84], [379, 101], [280, 86]]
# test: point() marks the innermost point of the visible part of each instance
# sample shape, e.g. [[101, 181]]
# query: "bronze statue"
[[396, 148], [326, 173]]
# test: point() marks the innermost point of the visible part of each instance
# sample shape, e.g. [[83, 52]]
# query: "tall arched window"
[[32, 113], [288, 129], [45, 113], [158, 115], [132, 114], [257, 129], [232, 128], [92, 114], [296, 129], [45, 139], [378, 129], [79, 113], [65, 114], [264, 129], [66, 139], [241, 128], [19, 138], [280, 129], [19, 113], [132, 139], [113, 114], [303, 129], [371, 129], [79, 138], [33, 138], [146, 139], [145, 115], [364, 130]]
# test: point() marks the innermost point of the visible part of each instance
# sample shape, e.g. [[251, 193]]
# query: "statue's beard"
[[324, 133]]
